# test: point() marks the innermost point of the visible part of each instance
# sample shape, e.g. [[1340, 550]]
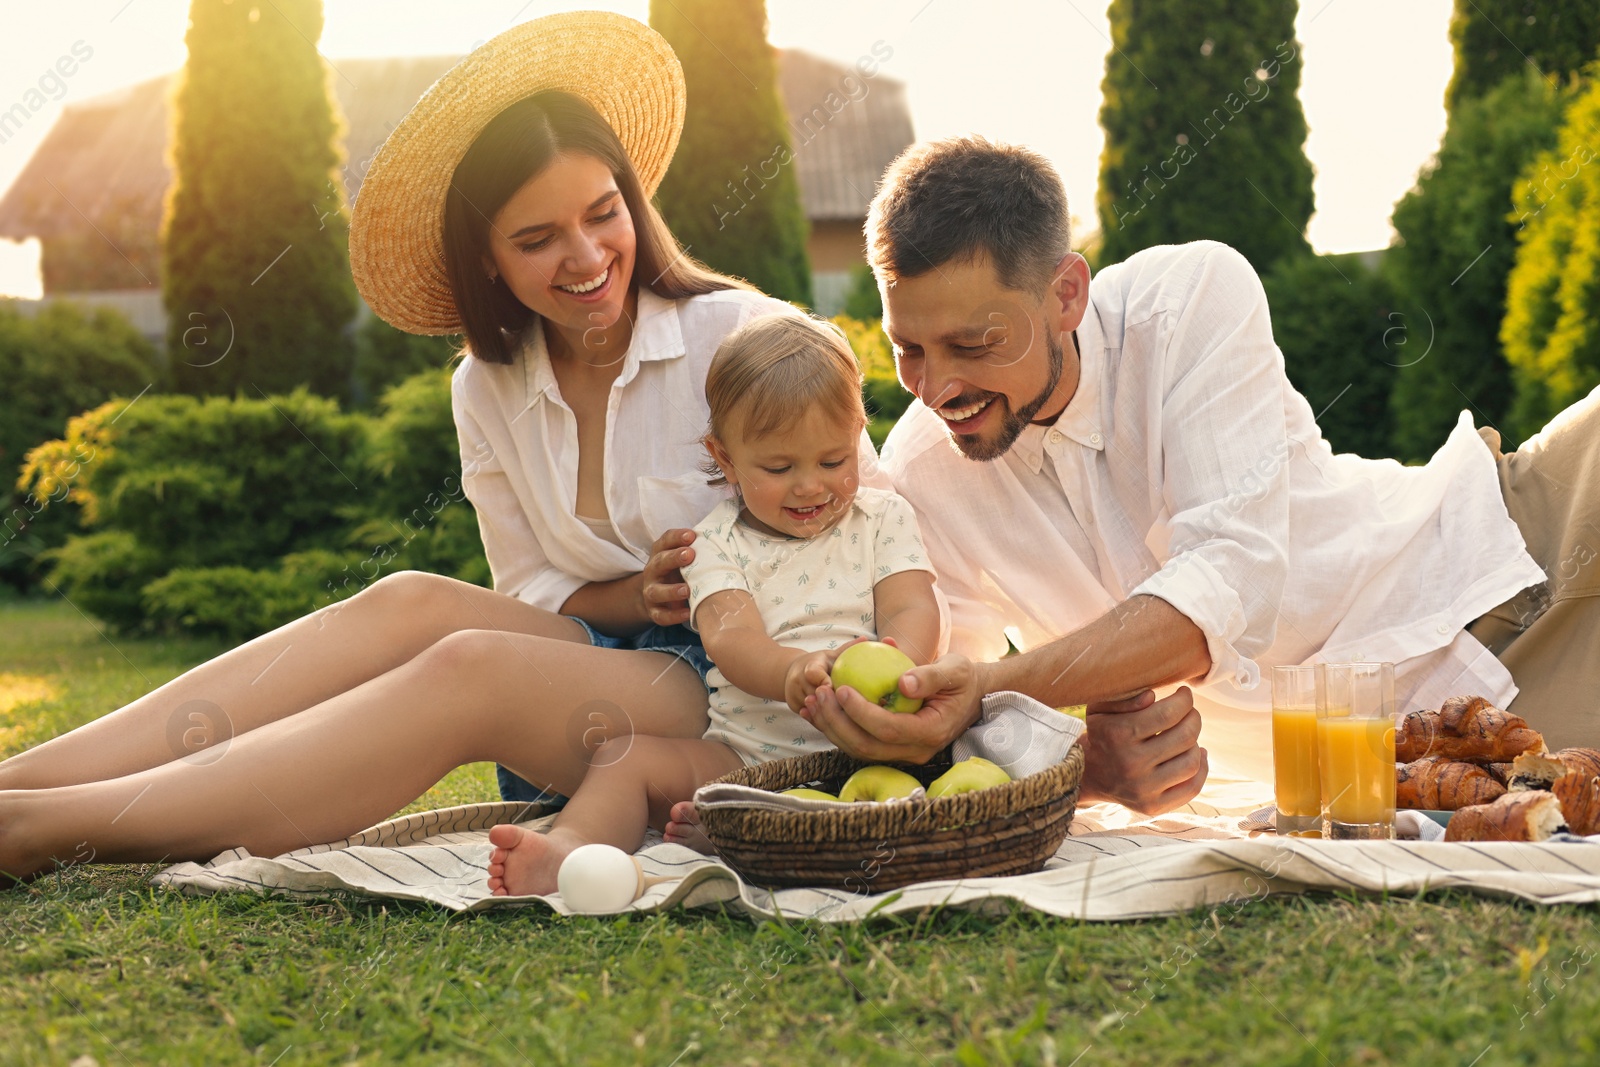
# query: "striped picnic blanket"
[[1115, 865]]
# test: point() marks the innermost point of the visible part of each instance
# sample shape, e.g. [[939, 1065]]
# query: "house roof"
[[844, 129], [104, 161]]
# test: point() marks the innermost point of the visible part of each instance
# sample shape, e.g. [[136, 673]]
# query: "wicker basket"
[[873, 848]]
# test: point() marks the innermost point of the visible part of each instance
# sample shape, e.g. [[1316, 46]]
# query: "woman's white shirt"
[[519, 448]]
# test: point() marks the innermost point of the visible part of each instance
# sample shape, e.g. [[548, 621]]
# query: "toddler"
[[801, 561]]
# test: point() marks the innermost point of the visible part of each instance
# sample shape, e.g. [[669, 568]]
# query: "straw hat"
[[622, 68]]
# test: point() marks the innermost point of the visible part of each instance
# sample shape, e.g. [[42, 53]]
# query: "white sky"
[[1028, 72]]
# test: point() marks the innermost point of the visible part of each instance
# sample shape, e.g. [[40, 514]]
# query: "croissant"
[[1443, 785], [1526, 816], [1582, 760], [1501, 772], [1464, 728], [1533, 771], [1573, 775]]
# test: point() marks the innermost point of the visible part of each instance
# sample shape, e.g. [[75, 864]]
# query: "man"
[[1118, 477]]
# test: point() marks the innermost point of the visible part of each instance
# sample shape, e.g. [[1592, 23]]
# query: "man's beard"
[[1012, 423]]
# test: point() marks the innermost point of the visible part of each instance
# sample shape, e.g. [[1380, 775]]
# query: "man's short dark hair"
[[960, 198]]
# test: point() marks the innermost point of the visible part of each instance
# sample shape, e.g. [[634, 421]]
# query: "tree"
[[1551, 330], [863, 301], [1456, 247], [731, 195], [1497, 38], [1342, 333], [256, 277], [1204, 131]]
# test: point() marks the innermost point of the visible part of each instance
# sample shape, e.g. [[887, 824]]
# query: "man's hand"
[[1142, 752], [951, 690], [663, 598]]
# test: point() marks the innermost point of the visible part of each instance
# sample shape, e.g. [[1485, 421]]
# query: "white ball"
[[598, 880]]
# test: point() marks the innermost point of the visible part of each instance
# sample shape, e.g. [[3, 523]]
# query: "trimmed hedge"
[[62, 360], [234, 516]]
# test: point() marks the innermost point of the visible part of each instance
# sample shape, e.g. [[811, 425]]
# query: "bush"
[[1342, 337], [234, 516], [386, 357], [63, 360], [104, 574], [238, 602], [417, 517], [885, 398], [214, 481], [1551, 330], [1455, 250]]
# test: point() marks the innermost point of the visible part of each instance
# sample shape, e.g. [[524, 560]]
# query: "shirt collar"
[[1081, 419], [657, 335]]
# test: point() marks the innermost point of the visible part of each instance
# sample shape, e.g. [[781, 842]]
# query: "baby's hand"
[[804, 675]]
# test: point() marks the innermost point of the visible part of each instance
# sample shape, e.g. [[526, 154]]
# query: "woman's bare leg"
[[633, 784], [297, 666], [334, 769]]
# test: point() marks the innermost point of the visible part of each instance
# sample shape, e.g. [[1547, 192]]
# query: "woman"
[[511, 205]]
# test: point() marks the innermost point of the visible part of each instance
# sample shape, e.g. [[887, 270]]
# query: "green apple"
[[878, 783], [873, 669], [968, 776], [809, 794]]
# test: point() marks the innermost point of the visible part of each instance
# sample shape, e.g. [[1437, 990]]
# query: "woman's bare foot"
[[683, 828], [524, 862], [20, 864]]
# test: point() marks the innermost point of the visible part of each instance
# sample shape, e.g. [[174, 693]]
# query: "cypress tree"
[[1551, 331], [1456, 247], [1342, 333], [255, 268], [731, 195], [1204, 131], [1497, 38]]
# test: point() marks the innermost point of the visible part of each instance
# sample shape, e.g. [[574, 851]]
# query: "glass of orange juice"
[[1297, 694], [1355, 751]]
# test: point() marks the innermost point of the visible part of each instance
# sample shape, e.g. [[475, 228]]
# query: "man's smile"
[[961, 418]]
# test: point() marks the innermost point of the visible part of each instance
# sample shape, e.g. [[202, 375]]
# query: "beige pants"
[[1548, 636]]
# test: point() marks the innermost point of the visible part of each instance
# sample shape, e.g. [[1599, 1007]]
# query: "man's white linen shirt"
[[1187, 467], [519, 448]]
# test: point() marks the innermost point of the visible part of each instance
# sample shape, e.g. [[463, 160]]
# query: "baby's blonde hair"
[[768, 373]]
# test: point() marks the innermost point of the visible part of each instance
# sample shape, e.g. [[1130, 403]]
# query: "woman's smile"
[[591, 291]]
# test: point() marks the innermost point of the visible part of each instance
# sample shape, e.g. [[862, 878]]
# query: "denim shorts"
[[677, 640]]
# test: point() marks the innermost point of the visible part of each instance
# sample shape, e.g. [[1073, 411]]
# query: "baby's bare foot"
[[524, 861], [683, 828]]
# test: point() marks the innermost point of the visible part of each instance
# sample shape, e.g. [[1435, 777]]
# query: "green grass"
[[93, 962]]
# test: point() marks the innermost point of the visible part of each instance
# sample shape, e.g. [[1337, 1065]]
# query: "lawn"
[[94, 963]]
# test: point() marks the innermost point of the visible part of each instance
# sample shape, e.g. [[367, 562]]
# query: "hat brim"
[[622, 68]]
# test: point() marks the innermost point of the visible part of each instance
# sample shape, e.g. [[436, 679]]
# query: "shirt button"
[[1443, 629], [1095, 439], [1055, 437]]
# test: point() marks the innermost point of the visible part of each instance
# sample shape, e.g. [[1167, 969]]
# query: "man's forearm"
[[1141, 643]]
